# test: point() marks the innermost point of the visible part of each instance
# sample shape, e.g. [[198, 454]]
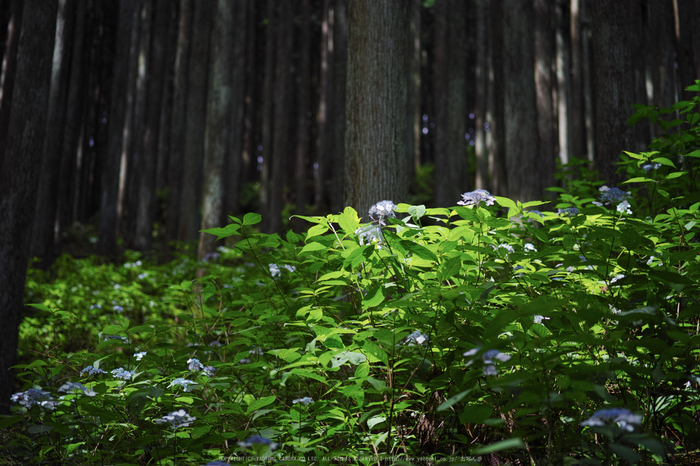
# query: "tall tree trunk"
[[216, 144], [249, 164], [661, 24], [303, 122], [520, 102], [483, 84], [496, 118], [149, 152], [179, 118], [9, 67], [340, 65], [191, 196], [233, 162], [614, 95], [375, 138], [687, 44], [282, 114], [322, 114], [413, 98], [545, 82], [563, 76], [577, 110], [43, 237], [19, 174], [267, 114], [107, 243]]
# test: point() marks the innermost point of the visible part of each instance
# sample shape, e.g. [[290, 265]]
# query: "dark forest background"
[[157, 118]]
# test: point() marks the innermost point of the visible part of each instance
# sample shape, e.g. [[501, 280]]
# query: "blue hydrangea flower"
[[76, 387], [570, 212], [184, 383], [194, 365], [34, 396], [416, 338], [176, 419], [612, 195], [256, 351], [307, 400], [370, 234], [624, 208], [476, 198], [507, 247], [529, 247], [117, 337], [380, 211], [275, 269], [118, 309], [92, 371], [627, 420], [139, 356], [121, 373], [257, 440], [488, 359], [209, 371], [651, 166]]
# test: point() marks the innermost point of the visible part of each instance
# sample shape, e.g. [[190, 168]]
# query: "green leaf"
[[260, 403], [349, 221], [664, 161], [317, 230], [638, 179], [373, 298], [453, 400], [39, 429], [229, 230], [251, 218], [505, 202], [416, 211], [375, 420], [695, 153], [449, 268], [113, 329], [418, 250], [476, 414], [500, 446], [311, 247]]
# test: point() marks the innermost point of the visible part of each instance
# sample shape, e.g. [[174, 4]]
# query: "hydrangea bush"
[[486, 333]]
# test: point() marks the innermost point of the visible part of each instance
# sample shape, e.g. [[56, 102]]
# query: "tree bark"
[[482, 86], [545, 83], [218, 125], [614, 94], [303, 122], [43, 236], [19, 174], [687, 44], [107, 242], [191, 196], [662, 57], [179, 118], [375, 138], [340, 65], [520, 102], [149, 148], [496, 118], [267, 115], [282, 114]]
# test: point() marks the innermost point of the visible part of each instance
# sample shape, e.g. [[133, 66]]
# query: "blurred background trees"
[[164, 116]]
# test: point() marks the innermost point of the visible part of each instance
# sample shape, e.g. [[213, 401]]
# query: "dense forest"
[[137, 128]]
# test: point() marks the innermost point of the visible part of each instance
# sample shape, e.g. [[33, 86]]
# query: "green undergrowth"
[[486, 333]]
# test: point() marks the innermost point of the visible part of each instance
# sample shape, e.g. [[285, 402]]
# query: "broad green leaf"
[[349, 221], [375, 420], [229, 230], [449, 268], [500, 446], [416, 211], [453, 400], [251, 218], [505, 202], [113, 329], [317, 230], [260, 403], [664, 161], [373, 298], [311, 247]]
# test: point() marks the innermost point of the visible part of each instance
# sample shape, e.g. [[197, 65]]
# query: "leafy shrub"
[[494, 333]]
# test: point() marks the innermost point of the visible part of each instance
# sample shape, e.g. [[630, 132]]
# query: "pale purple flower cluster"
[[76, 387], [257, 440], [139, 356], [381, 211], [121, 373], [623, 417], [612, 195], [307, 400], [34, 396], [476, 198], [92, 371], [176, 419], [194, 365], [570, 212], [488, 359], [184, 383], [416, 338]]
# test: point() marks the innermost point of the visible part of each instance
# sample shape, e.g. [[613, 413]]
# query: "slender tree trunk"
[[107, 243], [249, 163], [179, 119], [413, 98], [687, 44], [375, 139], [483, 84], [340, 65], [216, 144], [577, 109], [322, 119], [282, 114], [614, 95], [545, 83], [149, 152], [9, 66], [661, 23], [19, 174], [496, 118], [191, 196], [523, 162], [43, 237], [563, 75], [303, 121], [267, 114]]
